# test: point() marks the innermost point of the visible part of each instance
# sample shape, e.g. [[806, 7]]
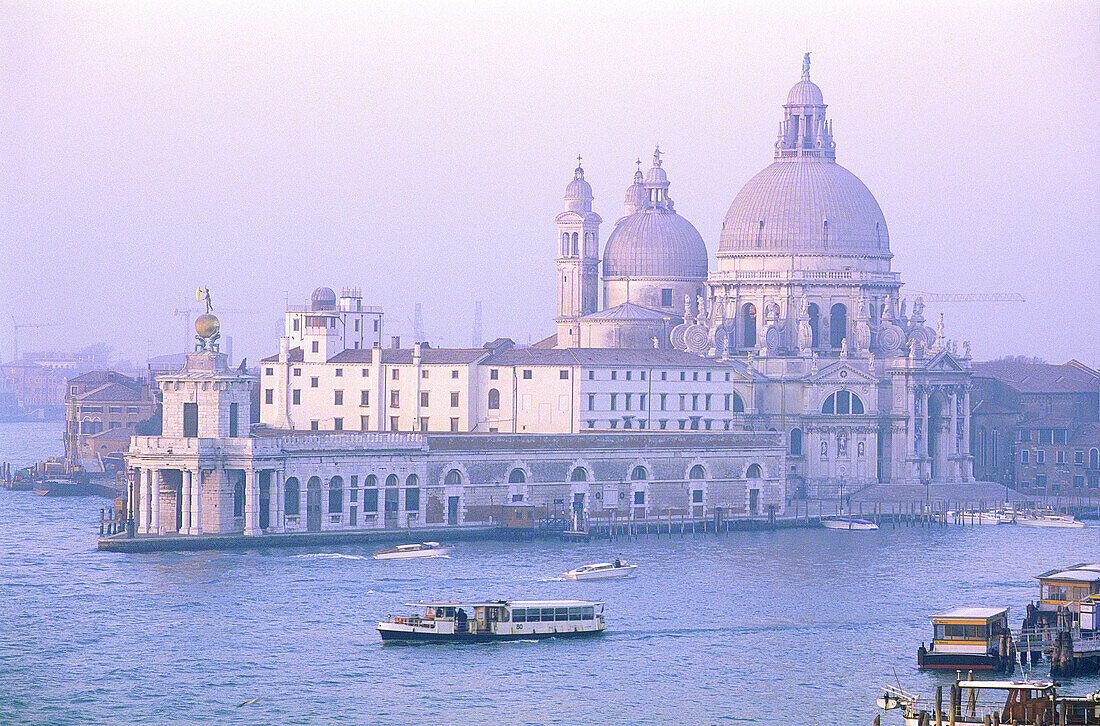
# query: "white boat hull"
[[414, 554], [1049, 522], [854, 524], [604, 574]]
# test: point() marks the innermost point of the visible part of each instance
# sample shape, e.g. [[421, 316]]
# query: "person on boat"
[[618, 563], [460, 621]]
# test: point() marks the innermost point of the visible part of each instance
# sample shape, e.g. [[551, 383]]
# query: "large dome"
[[655, 243], [805, 206]]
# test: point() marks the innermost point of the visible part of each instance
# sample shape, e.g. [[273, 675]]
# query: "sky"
[[420, 151]]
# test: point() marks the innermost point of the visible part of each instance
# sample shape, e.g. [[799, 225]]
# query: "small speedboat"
[[847, 523], [410, 551], [1047, 519], [601, 571], [974, 518]]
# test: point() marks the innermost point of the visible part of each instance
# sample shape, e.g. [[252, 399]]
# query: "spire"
[[805, 132], [805, 67]]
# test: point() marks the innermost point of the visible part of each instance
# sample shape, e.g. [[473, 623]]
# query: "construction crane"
[[15, 334], [1008, 297]]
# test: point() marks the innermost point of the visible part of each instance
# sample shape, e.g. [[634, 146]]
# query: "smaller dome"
[[578, 188], [207, 325], [635, 195], [805, 93], [323, 298], [656, 175]]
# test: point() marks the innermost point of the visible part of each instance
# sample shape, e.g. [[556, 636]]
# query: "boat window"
[[502, 615], [448, 612], [575, 613], [588, 612], [519, 615], [561, 613], [548, 615]]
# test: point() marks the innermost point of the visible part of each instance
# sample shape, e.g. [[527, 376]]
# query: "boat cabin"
[[496, 620], [1068, 587], [966, 638]]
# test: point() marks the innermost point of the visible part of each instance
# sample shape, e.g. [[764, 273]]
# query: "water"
[[752, 628]]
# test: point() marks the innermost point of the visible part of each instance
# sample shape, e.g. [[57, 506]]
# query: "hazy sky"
[[420, 152]]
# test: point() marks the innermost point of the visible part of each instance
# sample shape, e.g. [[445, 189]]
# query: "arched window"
[[995, 436], [736, 404], [517, 476], [564, 244], [697, 472], [453, 478], [748, 325], [838, 324], [574, 243], [639, 474], [290, 496], [754, 472], [579, 474], [391, 480], [796, 442], [335, 495], [842, 403], [1094, 458], [814, 313], [371, 481], [981, 447], [494, 399], [238, 498]]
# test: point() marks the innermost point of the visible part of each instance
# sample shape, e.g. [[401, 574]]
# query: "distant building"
[[1036, 426], [38, 391], [102, 410]]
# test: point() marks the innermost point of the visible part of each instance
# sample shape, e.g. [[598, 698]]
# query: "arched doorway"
[[754, 473], [313, 504], [748, 325], [838, 325]]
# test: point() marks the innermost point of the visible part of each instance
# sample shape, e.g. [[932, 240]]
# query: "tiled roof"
[[109, 392], [630, 311], [404, 356], [294, 355], [1040, 377], [104, 377]]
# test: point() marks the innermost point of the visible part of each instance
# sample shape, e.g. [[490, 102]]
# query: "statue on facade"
[[701, 314], [918, 308], [656, 343], [843, 347], [813, 363], [966, 348]]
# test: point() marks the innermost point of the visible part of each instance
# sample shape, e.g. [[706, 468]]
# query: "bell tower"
[[578, 241]]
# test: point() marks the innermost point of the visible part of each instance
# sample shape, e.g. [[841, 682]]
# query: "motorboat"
[[847, 523], [64, 488], [411, 551], [970, 638], [970, 703], [972, 517], [601, 571], [478, 622], [1045, 518]]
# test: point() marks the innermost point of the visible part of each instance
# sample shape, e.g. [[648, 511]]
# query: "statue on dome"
[[806, 64]]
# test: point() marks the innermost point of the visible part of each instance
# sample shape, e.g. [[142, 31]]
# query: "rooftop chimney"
[[395, 342]]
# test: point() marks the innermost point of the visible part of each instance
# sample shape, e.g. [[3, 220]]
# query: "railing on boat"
[[1043, 639]]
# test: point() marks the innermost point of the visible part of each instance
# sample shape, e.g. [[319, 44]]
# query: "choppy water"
[[757, 627]]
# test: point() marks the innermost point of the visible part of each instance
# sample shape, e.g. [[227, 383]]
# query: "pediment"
[[842, 373], [944, 362]]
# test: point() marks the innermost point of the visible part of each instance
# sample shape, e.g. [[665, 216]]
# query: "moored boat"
[[970, 638], [970, 702], [65, 488], [474, 622], [601, 571], [411, 551], [979, 518], [851, 523], [1047, 519]]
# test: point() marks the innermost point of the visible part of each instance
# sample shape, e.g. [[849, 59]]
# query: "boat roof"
[[1081, 572], [498, 603], [1006, 684], [970, 613]]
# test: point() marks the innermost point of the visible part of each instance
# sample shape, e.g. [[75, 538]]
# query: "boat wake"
[[551, 579], [330, 556]]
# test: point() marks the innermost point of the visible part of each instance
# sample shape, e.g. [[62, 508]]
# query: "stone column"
[[133, 496], [251, 503], [185, 503], [952, 460], [303, 488], [143, 498], [923, 467], [967, 474], [154, 486], [280, 504]]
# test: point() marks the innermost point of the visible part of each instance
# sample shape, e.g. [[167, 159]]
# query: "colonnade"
[[940, 446], [144, 500]]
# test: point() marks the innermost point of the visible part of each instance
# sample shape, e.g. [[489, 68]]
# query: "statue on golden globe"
[[207, 326]]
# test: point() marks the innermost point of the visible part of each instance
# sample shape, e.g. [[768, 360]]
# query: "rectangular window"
[[591, 401], [423, 398], [727, 377], [1078, 481], [296, 397], [639, 498], [683, 376], [454, 425], [234, 419], [1025, 435], [1041, 456], [269, 396], [339, 372], [1041, 481], [706, 400], [591, 375], [190, 420], [662, 424], [412, 500], [697, 496], [370, 500], [454, 399], [1059, 436], [338, 424], [364, 398], [454, 374], [297, 324], [314, 425], [424, 374], [338, 398], [1079, 457], [664, 399], [297, 371], [357, 325], [613, 396], [641, 401], [563, 375], [695, 375], [664, 375], [628, 375], [267, 371], [366, 372], [364, 423], [393, 423], [626, 407], [316, 347], [313, 382], [527, 375], [1024, 456], [1059, 457], [395, 374], [1046, 436], [395, 399], [683, 401], [727, 403], [494, 374], [666, 297], [423, 424]]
